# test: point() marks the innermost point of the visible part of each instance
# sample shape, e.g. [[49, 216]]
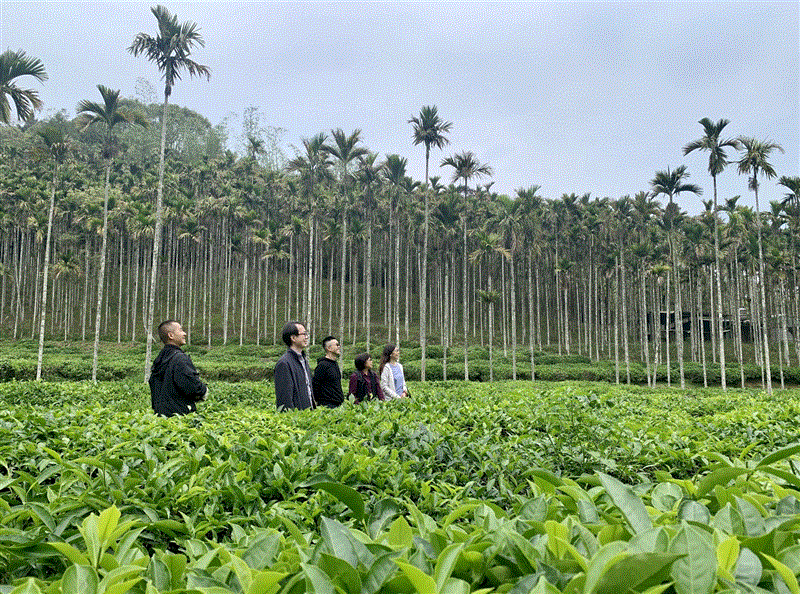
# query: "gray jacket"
[[293, 382]]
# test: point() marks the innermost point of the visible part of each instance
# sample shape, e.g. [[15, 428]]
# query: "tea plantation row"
[[466, 487], [73, 361]]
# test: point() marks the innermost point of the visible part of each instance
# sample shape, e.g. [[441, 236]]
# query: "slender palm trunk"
[[616, 319], [101, 275], [156, 242], [678, 315], [446, 317], [311, 231], [368, 280], [717, 274], [530, 316], [396, 277], [765, 318], [738, 318], [465, 301], [343, 268], [513, 281], [43, 310], [423, 291]]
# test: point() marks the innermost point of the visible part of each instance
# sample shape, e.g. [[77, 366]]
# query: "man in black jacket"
[[327, 376], [292, 374], [175, 385]]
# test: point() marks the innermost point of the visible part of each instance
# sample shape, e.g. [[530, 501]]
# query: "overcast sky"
[[571, 96]]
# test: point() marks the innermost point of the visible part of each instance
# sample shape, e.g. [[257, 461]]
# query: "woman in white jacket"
[[393, 380]]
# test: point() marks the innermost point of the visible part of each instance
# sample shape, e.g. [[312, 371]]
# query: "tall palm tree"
[[370, 178], [752, 162], [717, 161], [791, 204], [430, 130], [56, 148], [313, 167], [106, 115], [12, 66], [170, 50], [466, 167], [671, 184], [345, 150], [489, 244], [394, 168]]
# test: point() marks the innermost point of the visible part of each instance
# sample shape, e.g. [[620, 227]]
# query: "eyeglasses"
[[302, 334]]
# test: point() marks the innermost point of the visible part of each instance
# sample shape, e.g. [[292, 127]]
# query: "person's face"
[[177, 335], [334, 347], [395, 356], [368, 363], [300, 340]]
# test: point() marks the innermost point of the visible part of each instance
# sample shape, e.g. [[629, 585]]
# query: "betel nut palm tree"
[[394, 171], [671, 183], [56, 148], [717, 161], [13, 65], [430, 130], [312, 167], [465, 167], [106, 115], [345, 151], [170, 50], [754, 161]]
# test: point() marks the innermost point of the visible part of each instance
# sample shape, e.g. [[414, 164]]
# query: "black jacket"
[[328, 383], [175, 385], [292, 382]]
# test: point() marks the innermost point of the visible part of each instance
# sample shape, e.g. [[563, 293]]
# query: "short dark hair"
[[289, 330], [361, 361], [164, 328], [326, 340]]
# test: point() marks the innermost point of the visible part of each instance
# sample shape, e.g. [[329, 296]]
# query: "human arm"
[[405, 385], [352, 388], [376, 387], [387, 383], [283, 386], [187, 379]]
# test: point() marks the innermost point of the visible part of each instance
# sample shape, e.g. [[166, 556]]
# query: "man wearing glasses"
[[292, 374]]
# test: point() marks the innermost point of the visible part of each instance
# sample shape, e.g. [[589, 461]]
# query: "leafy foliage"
[[529, 488]]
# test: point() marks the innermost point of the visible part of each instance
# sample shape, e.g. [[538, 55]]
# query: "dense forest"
[[344, 240]]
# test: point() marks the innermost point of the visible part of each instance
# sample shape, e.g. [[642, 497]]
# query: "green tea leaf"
[[727, 555], [786, 574], [265, 582], [400, 534], [80, 579], [627, 502], [70, 553], [317, 581], [347, 495], [633, 571], [696, 571], [445, 564], [27, 587], [720, 476], [748, 568], [601, 562], [423, 583], [779, 455], [341, 572]]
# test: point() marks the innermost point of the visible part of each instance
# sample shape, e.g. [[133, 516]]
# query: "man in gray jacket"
[[292, 374], [175, 385]]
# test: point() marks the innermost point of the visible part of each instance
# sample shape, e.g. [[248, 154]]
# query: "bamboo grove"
[[338, 243]]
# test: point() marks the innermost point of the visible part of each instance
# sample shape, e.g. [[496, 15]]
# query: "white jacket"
[[387, 382]]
